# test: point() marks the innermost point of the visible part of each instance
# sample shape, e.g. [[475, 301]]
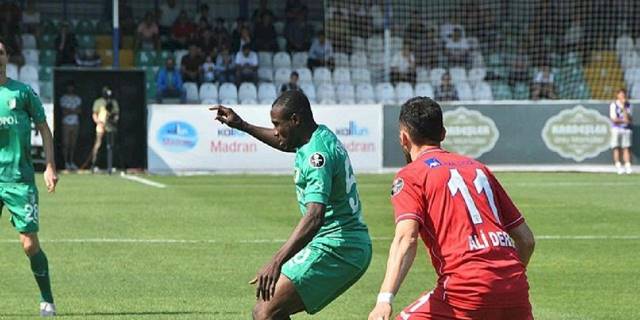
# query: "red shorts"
[[430, 308]]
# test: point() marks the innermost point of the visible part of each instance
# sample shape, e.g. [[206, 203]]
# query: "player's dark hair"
[[623, 90], [294, 101], [422, 117]]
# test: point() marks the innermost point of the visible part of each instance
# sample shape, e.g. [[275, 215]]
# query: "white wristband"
[[385, 297]]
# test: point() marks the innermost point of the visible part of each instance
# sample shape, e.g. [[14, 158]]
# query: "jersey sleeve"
[[34, 106], [318, 174], [509, 213], [406, 198]]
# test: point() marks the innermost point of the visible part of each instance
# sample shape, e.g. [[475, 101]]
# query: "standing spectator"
[[265, 34], [294, 9], [66, 44], [106, 113], [446, 91], [620, 114], [320, 53], [415, 29], [237, 34], [148, 34], [190, 64], [225, 66], [246, 62], [169, 83], [519, 67], [543, 85], [220, 32], [261, 11], [403, 65], [168, 14], [200, 28], [293, 83], [208, 70], [182, 31], [298, 34], [31, 18], [207, 42], [428, 49], [243, 38], [457, 50], [70, 103], [203, 13]]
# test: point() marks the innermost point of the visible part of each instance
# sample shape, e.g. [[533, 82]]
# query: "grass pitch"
[[123, 250]]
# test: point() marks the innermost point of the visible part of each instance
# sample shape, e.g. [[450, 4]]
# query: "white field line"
[[254, 241], [143, 181]]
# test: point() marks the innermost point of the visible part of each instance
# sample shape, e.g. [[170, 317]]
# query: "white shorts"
[[620, 138]]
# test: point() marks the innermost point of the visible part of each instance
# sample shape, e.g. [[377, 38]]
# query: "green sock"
[[40, 269]]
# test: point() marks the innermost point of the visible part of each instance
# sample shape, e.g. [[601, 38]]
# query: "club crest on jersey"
[[316, 160], [397, 186], [432, 163], [11, 103]]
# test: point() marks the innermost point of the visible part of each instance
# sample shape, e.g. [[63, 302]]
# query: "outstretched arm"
[[50, 176], [232, 119]]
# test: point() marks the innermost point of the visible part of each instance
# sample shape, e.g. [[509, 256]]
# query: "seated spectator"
[[260, 12], [203, 13], [543, 85], [88, 58], [265, 35], [298, 34], [403, 65], [246, 62], [243, 38], [428, 49], [207, 42], [519, 67], [446, 91], [225, 66], [202, 26], [66, 44], [182, 31], [148, 34], [190, 64], [236, 35], [220, 32], [208, 70], [293, 83], [31, 18], [320, 53], [168, 14], [294, 9], [415, 29], [457, 50], [169, 83]]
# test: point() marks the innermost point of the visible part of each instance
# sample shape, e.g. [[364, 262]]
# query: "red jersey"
[[464, 216]]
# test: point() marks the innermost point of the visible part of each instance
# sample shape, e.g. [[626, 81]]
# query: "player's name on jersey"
[[493, 239]]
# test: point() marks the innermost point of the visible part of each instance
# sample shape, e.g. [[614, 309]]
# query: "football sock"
[[618, 165], [40, 269]]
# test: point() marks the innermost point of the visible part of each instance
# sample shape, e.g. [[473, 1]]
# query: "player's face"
[[284, 126], [3, 55]]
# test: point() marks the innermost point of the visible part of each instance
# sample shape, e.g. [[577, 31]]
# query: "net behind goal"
[[485, 50]]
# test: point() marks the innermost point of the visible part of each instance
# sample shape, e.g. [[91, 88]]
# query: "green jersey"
[[19, 107], [323, 174]]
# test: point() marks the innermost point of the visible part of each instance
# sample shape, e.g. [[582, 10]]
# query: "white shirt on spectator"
[[402, 63], [462, 45], [447, 29], [169, 15], [251, 60], [319, 51], [541, 78]]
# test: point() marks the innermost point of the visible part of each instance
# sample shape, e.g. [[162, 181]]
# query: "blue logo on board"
[[432, 163], [352, 130], [177, 136]]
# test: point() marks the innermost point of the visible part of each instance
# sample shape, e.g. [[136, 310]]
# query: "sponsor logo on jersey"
[[353, 129], [577, 133], [177, 136], [397, 186], [12, 103], [8, 121], [432, 163], [469, 132], [317, 160]]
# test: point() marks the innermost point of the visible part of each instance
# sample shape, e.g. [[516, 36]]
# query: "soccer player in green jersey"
[[330, 248], [19, 106]]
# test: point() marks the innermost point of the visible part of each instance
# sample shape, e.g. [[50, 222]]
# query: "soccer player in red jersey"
[[478, 241]]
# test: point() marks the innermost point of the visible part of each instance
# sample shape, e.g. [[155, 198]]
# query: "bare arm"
[[50, 176], [525, 242]]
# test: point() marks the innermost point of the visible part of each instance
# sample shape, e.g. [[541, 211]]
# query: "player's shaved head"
[[294, 101], [422, 119]]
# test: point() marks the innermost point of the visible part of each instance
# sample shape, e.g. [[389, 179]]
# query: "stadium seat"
[[29, 41], [281, 60], [86, 41], [45, 73], [310, 91], [248, 93], [630, 60], [84, 27], [208, 93], [358, 44], [126, 58], [632, 76], [46, 41], [279, 27], [106, 56], [321, 75], [477, 59], [365, 94], [31, 56], [48, 27], [281, 76], [12, 71], [341, 76], [104, 42], [404, 92], [265, 74], [395, 44], [304, 75], [360, 75], [299, 60], [424, 89], [228, 94], [375, 43], [422, 75], [477, 75], [464, 91], [265, 59], [521, 91], [482, 91], [501, 91], [267, 93], [127, 42], [163, 55], [458, 75], [104, 27], [28, 73], [385, 93], [145, 58], [346, 94], [282, 43], [191, 88], [341, 59], [496, 59], [35, 85], [635, 91], [436, 75], [359, 60], [326, 94]]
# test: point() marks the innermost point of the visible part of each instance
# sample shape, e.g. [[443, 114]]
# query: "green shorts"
[[21, 199], [322, 272]]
